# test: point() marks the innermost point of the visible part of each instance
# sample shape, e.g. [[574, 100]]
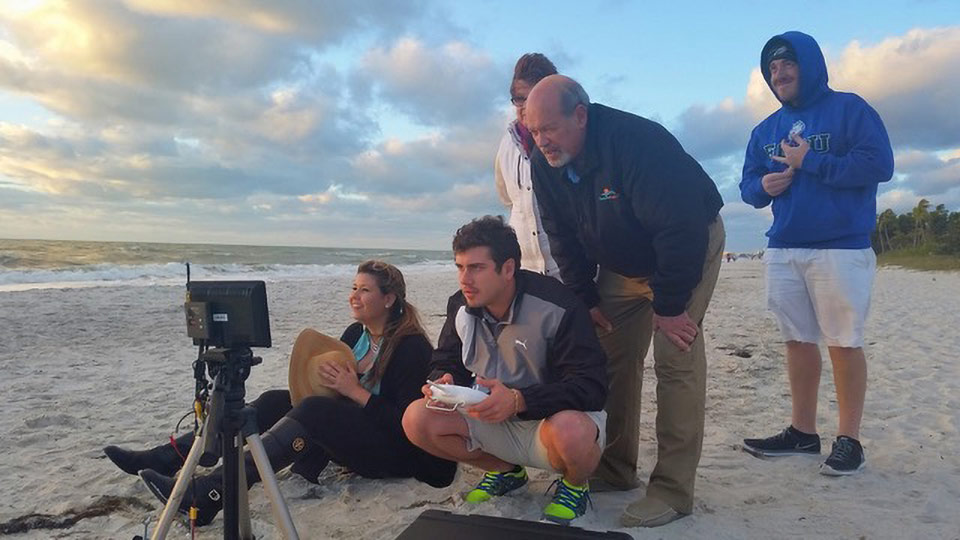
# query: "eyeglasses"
[[518, 101]]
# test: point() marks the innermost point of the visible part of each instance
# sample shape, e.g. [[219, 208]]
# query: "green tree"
[[885, 221], [935, 231], [937, 223], [921, 218], [905, 230], [950, 240]]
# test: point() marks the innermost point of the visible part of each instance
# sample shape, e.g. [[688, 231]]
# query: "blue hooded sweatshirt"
[[832, 201]]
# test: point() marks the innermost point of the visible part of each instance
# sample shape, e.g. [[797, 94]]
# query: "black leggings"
[[343, 432]]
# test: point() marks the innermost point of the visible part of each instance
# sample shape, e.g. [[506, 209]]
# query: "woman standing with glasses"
[[512, 170], [361, 430]]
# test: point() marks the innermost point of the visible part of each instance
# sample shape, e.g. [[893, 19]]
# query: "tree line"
[[934, 230]]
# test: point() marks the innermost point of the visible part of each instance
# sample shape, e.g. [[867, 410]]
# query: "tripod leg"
[[183, 481], [243, 497], [232, 464], [281, 513]]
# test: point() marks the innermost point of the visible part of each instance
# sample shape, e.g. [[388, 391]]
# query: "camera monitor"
[[228, 314]]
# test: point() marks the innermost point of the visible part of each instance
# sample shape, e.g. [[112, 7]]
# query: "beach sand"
[[83, 368]]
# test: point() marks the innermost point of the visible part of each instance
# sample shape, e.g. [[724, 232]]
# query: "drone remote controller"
[[454, 396]]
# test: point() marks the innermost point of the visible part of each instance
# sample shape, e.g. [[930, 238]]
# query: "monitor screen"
[[228, 313]]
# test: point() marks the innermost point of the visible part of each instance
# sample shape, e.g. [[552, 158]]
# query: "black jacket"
[[641, 209], [547, 348], [401, 385]]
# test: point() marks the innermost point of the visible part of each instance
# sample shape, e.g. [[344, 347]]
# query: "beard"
[[559, 160]]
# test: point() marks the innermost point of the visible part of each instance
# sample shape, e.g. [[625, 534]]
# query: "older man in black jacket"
[[618, 192]]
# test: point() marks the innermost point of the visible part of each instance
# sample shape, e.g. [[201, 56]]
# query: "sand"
[[82, 368]]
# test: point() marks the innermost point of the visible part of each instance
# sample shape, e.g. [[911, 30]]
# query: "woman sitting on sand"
[[363, 432]]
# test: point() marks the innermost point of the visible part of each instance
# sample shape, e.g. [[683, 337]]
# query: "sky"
[[374, 123]]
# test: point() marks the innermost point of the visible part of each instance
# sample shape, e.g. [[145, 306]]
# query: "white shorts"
[[820, 292], [518, 441]]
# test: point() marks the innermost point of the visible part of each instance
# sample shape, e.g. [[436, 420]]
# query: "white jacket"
[[515, 186]]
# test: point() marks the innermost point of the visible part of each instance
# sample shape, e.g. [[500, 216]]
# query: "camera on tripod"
[[225, 319]]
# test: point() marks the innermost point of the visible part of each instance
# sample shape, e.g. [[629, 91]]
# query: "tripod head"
[[236, 362]]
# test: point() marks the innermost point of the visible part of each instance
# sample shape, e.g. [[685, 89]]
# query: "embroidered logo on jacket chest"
[[608, 194]]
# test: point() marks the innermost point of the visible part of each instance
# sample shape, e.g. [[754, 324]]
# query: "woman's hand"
[[343, 379]]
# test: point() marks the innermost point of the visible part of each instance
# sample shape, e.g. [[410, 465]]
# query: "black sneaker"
[[788, 442], [846, 458]]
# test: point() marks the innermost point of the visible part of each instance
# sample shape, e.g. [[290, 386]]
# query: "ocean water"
[[42, 264]]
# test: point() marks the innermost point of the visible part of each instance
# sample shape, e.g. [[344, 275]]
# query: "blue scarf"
[[360, 349]]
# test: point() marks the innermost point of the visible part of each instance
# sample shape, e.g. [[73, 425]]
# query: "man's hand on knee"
[[680, 330]]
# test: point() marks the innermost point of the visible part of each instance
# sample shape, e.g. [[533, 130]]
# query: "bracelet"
[[516, 401]]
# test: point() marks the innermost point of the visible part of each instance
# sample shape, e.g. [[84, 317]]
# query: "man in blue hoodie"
[[818, 161]]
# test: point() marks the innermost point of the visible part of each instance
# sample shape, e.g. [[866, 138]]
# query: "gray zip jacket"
[[545, 347]]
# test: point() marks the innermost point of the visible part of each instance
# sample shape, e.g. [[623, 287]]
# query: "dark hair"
[[403, 319], [532, 67], [491, 232]]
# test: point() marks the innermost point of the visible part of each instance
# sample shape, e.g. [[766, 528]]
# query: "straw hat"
[[311, 350]]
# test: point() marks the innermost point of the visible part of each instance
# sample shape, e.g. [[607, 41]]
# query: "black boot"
[[285, 441], [208, 490], [310, 464], [163, 459]]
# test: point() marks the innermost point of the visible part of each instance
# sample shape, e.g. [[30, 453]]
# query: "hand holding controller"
[[452, 396]]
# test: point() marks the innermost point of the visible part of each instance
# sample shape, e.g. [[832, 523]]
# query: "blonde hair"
[[403, 319]]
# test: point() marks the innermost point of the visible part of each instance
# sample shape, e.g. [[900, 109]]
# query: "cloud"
[[912, 81], [927, 174], [324, 22], [108, 42], [117, 165], [450, 84], [170, 99], [899, 199], [708, 132], [431, 163]]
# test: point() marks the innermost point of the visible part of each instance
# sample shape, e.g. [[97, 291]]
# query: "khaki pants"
[[681, 383]]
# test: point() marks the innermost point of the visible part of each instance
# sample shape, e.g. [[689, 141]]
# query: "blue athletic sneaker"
[[569, 502], [495, 484]]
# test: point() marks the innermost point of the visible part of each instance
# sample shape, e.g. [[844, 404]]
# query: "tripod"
[[227, 420]]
